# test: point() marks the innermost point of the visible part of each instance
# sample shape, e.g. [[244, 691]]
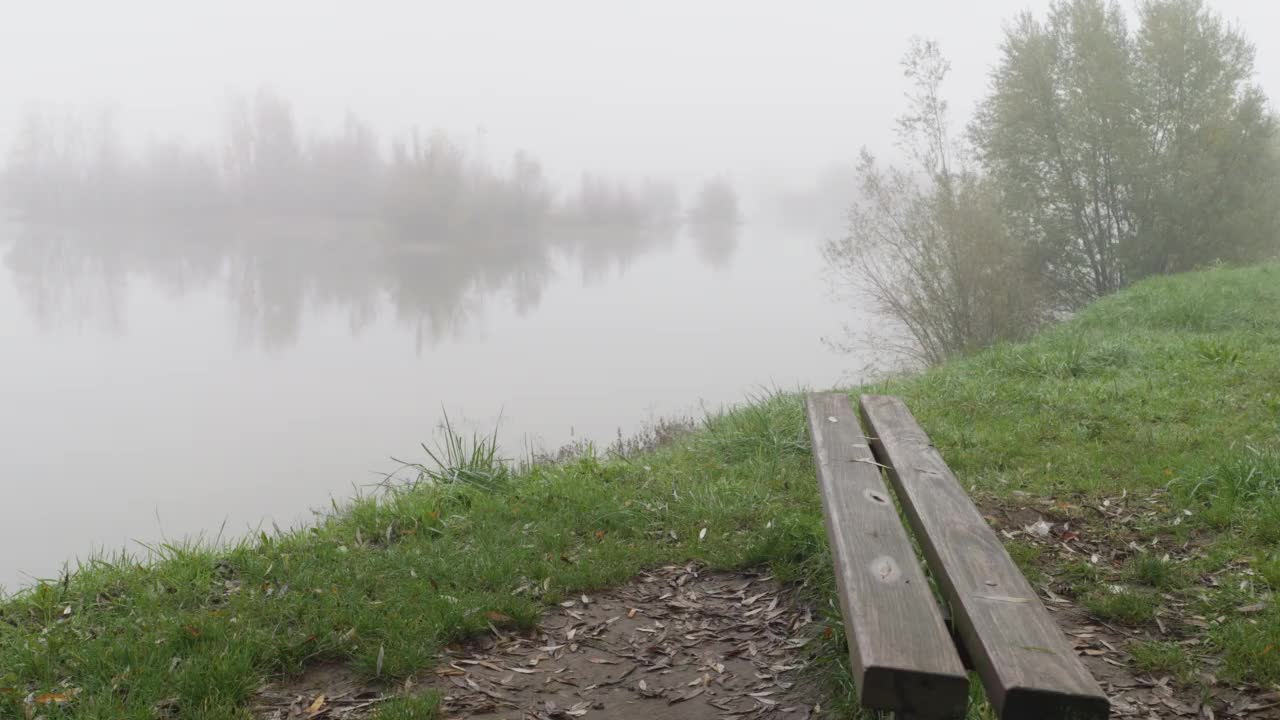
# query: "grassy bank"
[[1169, 392]]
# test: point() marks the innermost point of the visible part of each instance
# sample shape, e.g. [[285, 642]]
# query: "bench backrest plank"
[[903, 657], [1027, 667]]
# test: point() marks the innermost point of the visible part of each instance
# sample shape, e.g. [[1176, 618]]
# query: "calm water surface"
[[159, 388]]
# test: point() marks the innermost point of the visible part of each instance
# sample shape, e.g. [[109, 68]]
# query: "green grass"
[[1027, 556], [1251, 646], [413, 707], [459, 460], [1173, 384], [1155, 572], [1078, 576], [1122, 605], [1155, 656], [1269, 571]]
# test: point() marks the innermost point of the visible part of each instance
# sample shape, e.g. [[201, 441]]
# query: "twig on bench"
[[872, 462]]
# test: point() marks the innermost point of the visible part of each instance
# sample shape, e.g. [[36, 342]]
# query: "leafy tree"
[[1209, 169], [345, 169], [1118, 155], [1058, 137]]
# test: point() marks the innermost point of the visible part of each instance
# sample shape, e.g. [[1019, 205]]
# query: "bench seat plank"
[[1027, 667], [902, 655]]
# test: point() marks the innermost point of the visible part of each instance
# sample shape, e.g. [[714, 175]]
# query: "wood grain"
[[1023, 658], [902, 656]]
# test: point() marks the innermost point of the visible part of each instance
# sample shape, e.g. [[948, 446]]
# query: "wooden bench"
[[905, 657]]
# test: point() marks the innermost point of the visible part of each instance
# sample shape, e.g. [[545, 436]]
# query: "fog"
[[252, 250], [661, 87], [664, 87]]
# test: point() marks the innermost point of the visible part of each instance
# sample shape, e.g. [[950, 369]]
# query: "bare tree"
[[927, 243]]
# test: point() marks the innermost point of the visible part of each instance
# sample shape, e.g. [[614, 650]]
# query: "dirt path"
[[674, 643]]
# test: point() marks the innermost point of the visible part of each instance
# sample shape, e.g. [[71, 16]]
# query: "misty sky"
[[674, 88]]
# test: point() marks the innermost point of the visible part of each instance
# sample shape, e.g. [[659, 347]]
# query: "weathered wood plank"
[[902, 655], [1027, 667]]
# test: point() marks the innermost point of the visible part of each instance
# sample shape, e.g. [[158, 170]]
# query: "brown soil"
[[675, 643]]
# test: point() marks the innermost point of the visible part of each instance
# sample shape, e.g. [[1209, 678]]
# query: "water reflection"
[[715, 242], [275, 274], [714, 222]]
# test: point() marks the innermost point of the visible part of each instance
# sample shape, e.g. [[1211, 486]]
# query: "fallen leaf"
[[1040, 528], [687, 696], [56, 698]]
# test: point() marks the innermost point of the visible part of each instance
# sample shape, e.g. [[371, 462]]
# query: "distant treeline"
[[62, 165], [283, 223], [1101, 155]]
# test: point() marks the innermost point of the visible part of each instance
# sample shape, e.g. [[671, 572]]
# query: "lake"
[[206, 381]]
